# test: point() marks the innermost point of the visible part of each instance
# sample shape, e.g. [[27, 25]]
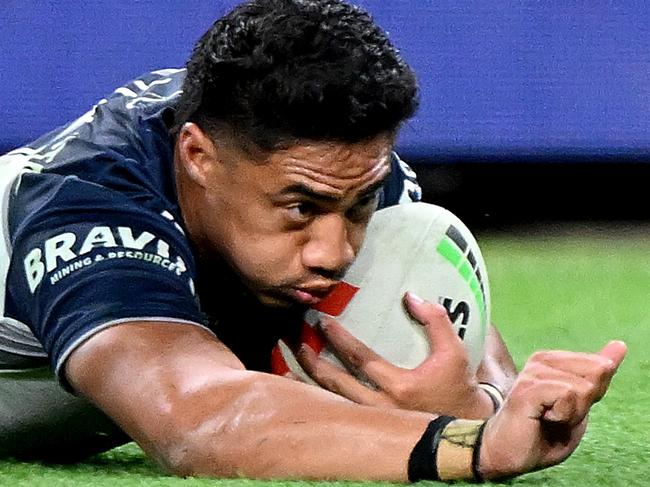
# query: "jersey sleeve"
[[401, 186], [87, 258]]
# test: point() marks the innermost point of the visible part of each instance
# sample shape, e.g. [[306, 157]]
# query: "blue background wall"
[[508, 79]]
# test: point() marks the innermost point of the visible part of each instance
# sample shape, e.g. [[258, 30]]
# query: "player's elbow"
[[192, 452], [225, 439], [185, 457]]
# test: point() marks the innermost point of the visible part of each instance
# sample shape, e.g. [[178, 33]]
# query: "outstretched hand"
[[545, 415], [443, 383]]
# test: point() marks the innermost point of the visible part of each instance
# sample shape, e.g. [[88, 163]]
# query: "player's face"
[[290, 222]]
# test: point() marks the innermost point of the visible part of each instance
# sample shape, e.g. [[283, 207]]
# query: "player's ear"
[[197, 153]]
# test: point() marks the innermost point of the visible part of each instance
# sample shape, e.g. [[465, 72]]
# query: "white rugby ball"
[[414, 247]]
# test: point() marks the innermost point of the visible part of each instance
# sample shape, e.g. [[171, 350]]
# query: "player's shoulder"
[[149, 92], [130, 123], [401, 186], [120, 149]]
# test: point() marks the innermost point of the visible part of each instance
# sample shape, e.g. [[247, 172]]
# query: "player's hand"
[[545, 416], [443, 383]]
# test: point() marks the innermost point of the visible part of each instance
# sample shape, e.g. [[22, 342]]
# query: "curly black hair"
[[276, 71]]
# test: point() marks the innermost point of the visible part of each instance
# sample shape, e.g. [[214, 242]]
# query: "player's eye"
[[365, 206], [301, 211]]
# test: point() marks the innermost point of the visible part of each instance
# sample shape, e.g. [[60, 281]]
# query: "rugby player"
[[155, 249]]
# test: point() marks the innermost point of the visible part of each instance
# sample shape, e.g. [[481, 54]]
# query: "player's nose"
[[329, 250]]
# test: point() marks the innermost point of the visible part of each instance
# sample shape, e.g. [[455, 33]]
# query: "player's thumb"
[[615, 351]]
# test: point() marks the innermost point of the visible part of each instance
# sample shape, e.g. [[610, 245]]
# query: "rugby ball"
[[414, 247]]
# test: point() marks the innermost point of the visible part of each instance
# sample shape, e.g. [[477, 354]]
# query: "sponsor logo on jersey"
[[68, 252]]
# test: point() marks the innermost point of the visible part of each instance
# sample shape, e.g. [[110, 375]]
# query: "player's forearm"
[[497, 367], [191, 406], [278, 428], [186, 399]]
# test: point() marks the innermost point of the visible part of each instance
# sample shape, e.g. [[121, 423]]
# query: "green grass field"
[[548, 292]]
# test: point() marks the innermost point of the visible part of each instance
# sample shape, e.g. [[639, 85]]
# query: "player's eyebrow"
[[304, 190], [374, 187]]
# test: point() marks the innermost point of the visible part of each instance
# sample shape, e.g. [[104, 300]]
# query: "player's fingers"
[[615, 351], [596, 368], [335, 379], [561, 403], [578, 363], [356, 355], [292, 376], [549, 400], [439, 329], [583, 391]]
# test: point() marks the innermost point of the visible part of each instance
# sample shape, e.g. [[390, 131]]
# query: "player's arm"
[[497, 371], [190, 405]]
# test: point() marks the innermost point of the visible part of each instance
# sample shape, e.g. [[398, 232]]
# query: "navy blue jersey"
[[92, 234]]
